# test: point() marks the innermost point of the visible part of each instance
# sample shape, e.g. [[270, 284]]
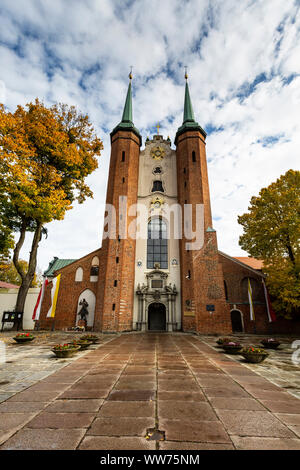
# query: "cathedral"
[[159, 267]]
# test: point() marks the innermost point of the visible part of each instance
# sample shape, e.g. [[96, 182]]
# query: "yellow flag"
[[54, 294]]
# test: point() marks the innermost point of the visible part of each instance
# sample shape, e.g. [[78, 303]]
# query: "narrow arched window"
[[79, 274], [157, 244], [157, 186], [94, 271], [123, 156], [193, 156]]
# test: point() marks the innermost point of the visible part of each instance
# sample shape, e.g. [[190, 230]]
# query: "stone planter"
[[270, 344], [254, 358], [82, 344], [232, 349], [91, 339], [62, 353], [23, 339]]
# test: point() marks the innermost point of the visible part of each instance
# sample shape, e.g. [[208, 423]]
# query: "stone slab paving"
[[279, 367], [112, 396], [22, 365]]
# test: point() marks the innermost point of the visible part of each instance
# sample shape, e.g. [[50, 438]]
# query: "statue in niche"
[[83, 312]]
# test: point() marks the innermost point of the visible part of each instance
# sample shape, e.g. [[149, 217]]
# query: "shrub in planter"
[[82, 344], [65, 350], [24, 337], [221, 341], [270, 343], [232, 347], [91, 338], [254, 355]]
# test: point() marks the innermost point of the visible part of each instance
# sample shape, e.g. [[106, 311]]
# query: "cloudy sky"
[[243, 59]]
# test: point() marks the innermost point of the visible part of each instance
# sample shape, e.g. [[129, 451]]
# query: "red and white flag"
[[38, 305], [270, 310]]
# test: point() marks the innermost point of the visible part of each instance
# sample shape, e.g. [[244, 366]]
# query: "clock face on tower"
[[158, 153]]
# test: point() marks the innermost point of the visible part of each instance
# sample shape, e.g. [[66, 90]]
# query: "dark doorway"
[[157, 317], [236, 321]]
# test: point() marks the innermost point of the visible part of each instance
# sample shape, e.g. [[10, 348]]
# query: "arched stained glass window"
[[157, 243]]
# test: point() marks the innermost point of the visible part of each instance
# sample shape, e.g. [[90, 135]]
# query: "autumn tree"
[[8, 273], [272, 233], [45, 156]]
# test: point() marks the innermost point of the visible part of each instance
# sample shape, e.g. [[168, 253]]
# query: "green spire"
[[188, 114], [126, 123], [127, 113], [189, 123]]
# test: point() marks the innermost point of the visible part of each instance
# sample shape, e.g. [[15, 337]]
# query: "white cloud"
[[244, 74]]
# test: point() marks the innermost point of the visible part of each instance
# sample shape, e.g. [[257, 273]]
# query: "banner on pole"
[[54, 294], [39, 302], [270, 310], [252, 316]]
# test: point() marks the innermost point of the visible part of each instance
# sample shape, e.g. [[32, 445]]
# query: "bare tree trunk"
[[26, 277]]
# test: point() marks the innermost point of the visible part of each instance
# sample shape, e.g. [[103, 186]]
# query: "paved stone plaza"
[[108, 397]]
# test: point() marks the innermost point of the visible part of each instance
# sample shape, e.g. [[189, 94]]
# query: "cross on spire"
[[157, 128], [185, 75], [130, 73]]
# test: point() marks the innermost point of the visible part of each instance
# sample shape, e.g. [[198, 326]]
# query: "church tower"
[[203, 303], [115, 292], [152, 275]]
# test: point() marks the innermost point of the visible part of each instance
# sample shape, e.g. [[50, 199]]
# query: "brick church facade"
[[158, 281]]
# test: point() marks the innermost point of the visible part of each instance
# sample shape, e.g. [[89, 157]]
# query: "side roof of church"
[[58, 264]]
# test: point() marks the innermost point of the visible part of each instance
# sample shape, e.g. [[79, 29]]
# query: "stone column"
[[174, 312], [170, 321], [144, 317], [138, 323]]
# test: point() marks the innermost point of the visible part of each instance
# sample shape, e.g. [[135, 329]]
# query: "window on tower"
[[157, 243], [157, 186]]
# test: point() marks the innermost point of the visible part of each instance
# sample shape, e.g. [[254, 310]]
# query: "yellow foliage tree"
[[272, 233], [45, 156], [8, 273]]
